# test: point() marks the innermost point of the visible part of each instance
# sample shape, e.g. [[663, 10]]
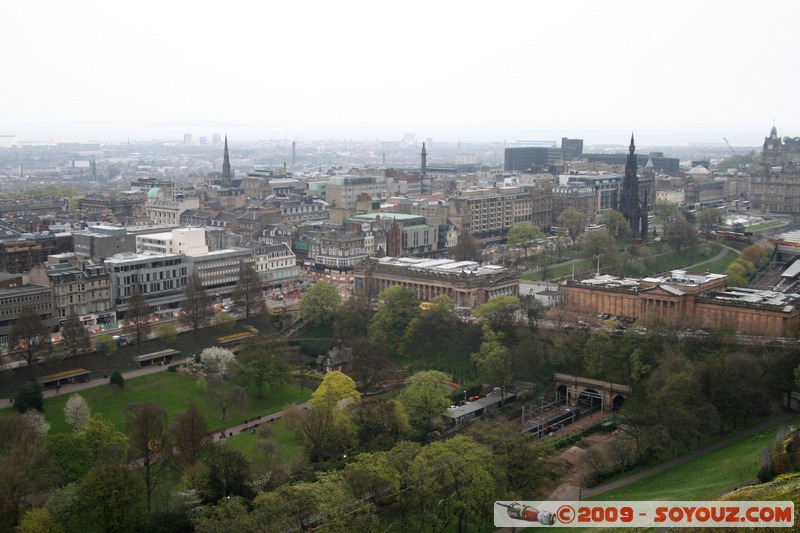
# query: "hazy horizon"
[[674, 73]]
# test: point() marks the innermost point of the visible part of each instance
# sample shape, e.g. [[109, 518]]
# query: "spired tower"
[[226, 166], [629, 197], [424, 163], [773, 150]]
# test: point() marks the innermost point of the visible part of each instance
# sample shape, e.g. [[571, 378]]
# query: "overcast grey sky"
[[672, 71]]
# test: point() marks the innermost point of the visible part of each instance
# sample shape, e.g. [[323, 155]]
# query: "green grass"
[[246, 442], [174, 393], [717, 266], [702, 478]]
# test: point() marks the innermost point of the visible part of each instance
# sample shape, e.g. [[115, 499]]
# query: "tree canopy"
[[320, 303], [397, 307]]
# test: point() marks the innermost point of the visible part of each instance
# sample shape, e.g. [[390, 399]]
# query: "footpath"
[[71, 388]]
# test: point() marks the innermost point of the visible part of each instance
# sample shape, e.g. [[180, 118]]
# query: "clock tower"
[[772, 150]]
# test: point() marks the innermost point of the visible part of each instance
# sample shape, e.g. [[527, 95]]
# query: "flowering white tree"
[[36, 421], [77, 412], [216, 360]]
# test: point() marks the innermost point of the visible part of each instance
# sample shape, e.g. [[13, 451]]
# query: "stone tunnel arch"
[[561, 394], [617, 402]]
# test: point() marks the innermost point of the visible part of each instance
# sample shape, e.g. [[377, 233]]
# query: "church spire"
[[632, 147], [226, 166]]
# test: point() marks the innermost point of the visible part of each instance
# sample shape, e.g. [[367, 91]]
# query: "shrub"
[[29, 396], [105, 344], [167, 333], [765, 473], [117, 380]]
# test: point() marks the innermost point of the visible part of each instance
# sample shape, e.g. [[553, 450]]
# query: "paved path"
[[70, 388], [780, 420], [252, 425]]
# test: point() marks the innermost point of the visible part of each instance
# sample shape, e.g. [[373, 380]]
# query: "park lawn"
[[718, 266], [702, 478], [246, 442], [174, 393]]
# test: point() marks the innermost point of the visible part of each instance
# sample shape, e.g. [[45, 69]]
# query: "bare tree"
[[224, 397], [137, 317], [248, 295], [74, 337], [149, 443], [466, 248], [189, 433], [196, 308], [29, 337]]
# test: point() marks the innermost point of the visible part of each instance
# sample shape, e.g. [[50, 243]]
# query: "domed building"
[[154, 194]]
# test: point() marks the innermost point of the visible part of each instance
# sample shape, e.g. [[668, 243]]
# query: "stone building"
[[466, 282], [775, 186], [701, 301]]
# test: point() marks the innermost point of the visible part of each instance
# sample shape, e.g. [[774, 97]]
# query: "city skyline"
[[673, 72]]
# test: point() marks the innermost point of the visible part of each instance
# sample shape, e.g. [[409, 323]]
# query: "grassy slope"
[[702, 478]]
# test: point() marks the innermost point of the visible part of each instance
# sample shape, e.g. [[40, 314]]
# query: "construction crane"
[[730, 147]]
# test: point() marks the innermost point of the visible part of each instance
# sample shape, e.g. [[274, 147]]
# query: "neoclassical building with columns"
[[703, 301], [468, 283]]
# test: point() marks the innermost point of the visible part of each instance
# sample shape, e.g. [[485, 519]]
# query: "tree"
[[248, 295], [39, 520], [112, 498], [215, 360], [223, 320], [574, 221], [499, 312], [262, 362], [148, 443], [681, 233], [380, 422], [106, 443], [116, 380], [189, 435], [369, 362], [325, 430], [196, 310], [664, 212], [25, 467], [320, 303], [229, 472], [450, 481], [224, 397], [167, 332], [77, 412], [29, 396], [708, 220], [75, 338], [335, 386], [755, 254], [71, 455], [352, 318], [137, 317], [29, 337], [601, 245], [616, 225], [397, 307], [105, 344], [599, 353], [425, 397], [494, 361], [35, 419], [522, 235], [429, 334], [466, 248]]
